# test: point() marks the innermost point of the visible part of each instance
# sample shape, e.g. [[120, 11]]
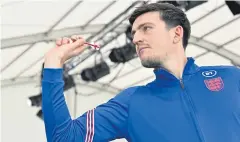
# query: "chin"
[[150, 63]]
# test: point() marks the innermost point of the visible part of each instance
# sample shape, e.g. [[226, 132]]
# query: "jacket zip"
[[194, 115]]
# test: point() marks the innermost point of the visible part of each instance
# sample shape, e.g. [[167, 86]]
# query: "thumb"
[[77, 43], [79, 50]]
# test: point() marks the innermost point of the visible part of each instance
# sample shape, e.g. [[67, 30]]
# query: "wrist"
[[53, 62]]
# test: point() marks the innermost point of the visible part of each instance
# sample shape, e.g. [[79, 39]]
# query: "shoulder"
[[220, 68], [125, 95]]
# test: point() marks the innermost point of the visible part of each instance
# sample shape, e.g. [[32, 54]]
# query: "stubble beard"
[[152, 63]]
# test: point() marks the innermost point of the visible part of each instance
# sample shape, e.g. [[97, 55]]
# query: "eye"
[[146, 28]]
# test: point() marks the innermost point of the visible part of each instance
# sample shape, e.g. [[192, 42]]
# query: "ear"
[[178, 34]]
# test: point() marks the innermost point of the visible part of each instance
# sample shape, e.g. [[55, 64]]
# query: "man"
[[185, 103]]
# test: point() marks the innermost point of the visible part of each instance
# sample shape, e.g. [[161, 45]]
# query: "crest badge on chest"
[[213, 83]]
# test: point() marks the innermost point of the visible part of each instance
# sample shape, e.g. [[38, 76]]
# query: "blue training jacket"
[[204, 106]]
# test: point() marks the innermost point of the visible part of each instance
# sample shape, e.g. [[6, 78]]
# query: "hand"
[[65, 49]]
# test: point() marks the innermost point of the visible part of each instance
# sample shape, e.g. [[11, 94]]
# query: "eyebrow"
[[140, 26]]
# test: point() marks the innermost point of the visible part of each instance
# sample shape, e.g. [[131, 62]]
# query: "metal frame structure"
[[50, 34], [53, 35], [98, 32]]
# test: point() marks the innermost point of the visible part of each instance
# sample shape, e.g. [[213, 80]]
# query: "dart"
[[93, 45]]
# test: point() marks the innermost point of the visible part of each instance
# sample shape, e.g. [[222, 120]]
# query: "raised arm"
[[104, 123]]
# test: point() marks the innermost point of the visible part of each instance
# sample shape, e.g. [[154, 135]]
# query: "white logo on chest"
[[210, 73]]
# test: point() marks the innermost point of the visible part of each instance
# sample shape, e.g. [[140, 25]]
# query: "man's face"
[[154, 42]]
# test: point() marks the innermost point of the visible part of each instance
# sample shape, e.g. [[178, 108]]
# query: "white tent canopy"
[[29, 29]]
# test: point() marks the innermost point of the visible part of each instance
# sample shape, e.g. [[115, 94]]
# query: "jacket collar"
[[165, 77]]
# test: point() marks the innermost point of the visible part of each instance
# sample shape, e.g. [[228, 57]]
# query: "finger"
[[66, 40], [76, 37], [79, 37], [78, 43], [59, 42], [79, 50]]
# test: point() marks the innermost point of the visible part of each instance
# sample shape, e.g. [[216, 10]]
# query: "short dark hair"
[[170, 14]]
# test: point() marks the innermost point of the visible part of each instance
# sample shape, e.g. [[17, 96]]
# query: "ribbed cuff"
[[52, 74]]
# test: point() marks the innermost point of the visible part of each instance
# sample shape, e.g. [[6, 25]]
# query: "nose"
[[136, 38]]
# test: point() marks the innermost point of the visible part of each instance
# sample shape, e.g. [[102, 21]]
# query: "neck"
[[175, 64]]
